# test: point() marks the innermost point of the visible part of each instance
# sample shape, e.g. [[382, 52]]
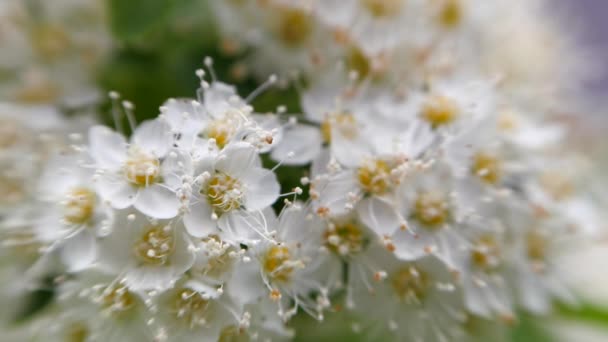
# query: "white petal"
[[116, 190], [153, 136], [303, 141], [378, 215], [198, 220], [157, 201], [79, 251], [237, 159], [107, 147], [176, 165], [334, 194], [262, 189]]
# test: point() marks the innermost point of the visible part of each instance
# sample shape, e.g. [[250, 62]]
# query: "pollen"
[[233, 333], [191, 308], [277, 263], [155, 246], [383, 8], [439, 111], [344, 122], [344, 239], [536, 246], [294, 27], [357, 61], [410, 284], [222, 130], [450, 14], [79, 206], [142, 169], [116, 298], [486, 254], [431, 209], [374, 177], [557, 185], [487, 167], [223, 192]]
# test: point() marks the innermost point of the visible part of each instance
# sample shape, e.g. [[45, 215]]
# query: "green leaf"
[[585, 312], [131, 19]]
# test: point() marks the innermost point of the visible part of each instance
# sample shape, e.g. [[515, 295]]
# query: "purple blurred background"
[[591, 18]]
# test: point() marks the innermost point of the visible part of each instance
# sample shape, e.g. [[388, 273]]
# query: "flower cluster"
[[438, 196]]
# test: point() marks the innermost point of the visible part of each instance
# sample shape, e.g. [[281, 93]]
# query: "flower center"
[[536, 244], [410, 284], [77, 332], [142, 169], [344, 239], [116, 298], [487, 167], [357, 61], [11, 133], [557, 185], [277, 263], [79, 206], [50, 41], [218, 260], [451, 14], [190, 307], [223, 192], [374, 177], [383, 8], [431, 209], [486, 254], [439, 111], [344, 122], [233, 333], [294, 27], [155, 246], [222, 130]]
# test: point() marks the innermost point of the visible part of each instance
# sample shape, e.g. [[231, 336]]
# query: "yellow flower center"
[[233, 333], [450, 14], [383, 8], [359, 62], [277, 264], [536, 244], [11, 133], [431, 209], [374, 177], [344, 239], [190, 307], [77, 332], [223, 192], [155, 246], [79, 206], [294, 27], [116, 298], [142, 169], [557, 185], [50, 41], [487, 167], [222, 130], [439, 111], [486, 254], [219, 260], [410, 284]]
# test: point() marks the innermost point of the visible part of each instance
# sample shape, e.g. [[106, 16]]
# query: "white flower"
[[74, 216], [147, 254], [420, 300], [131, 174], [224, 185]]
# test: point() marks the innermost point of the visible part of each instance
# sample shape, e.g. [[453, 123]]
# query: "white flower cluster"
[[50, 50], [438, 197]]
